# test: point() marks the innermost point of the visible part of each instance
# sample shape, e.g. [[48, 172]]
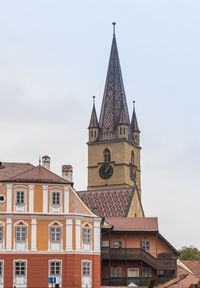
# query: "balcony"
[[139, 281], [137, 254]]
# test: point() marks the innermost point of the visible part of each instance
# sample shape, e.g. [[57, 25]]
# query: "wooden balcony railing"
[[138, 254], [139, 281]]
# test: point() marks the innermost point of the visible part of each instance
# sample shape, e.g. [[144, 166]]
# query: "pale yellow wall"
[[120, 154], [136, 207]]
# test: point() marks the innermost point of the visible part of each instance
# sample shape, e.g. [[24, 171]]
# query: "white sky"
[[53, 59]]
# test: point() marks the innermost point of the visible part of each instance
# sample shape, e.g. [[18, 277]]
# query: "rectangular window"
[[55, 198], [55, 268], [146, 272], [1, 233], [115, 272], [55, 234], [20, 197], [20, 233], [86, 268], [20, 268], [86, 235], [1, 268], [146, 245], [117, 244]]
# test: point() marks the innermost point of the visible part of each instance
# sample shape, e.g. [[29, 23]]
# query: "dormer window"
[[20, 198], [107, 155], [56, 201]]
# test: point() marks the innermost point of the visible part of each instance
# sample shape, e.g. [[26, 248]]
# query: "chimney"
[[67, 172], [46, 162]]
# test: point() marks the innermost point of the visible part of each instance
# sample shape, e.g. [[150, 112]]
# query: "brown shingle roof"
[[38, 174], [13, 169], [108, 202], [134, 224]]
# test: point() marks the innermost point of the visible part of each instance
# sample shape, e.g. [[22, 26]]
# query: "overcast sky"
[[53, 59]]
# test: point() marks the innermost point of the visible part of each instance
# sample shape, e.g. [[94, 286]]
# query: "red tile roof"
[[134, 224], [190, 279], [194, 266], [108, 202], [37, 174], [12, 169]]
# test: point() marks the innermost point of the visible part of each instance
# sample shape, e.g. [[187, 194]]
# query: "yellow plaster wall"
[[121, 155]]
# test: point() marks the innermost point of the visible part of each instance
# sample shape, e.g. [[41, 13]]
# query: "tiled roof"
[[38, 174], [134, 224], [113, 99], [194, 266], [93, 120], [190, 279], [108, 202], [13, 169]]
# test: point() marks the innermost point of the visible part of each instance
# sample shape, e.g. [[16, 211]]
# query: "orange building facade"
[[47, 234], [133, 251]]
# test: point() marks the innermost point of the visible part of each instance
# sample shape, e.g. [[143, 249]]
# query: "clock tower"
[[114, 140]]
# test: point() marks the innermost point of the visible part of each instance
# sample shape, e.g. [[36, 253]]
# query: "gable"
[[76, 205]]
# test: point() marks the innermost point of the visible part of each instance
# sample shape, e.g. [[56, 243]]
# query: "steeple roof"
[[93, 120], [122, 117], [134, 123], [113, 99]]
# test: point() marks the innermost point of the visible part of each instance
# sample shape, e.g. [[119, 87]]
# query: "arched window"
[[120, 130], [124, 130], [107, 155], [91, 133], [132, 158]]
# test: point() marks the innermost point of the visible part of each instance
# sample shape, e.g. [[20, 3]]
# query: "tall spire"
[[113, 99], [93, 120], [134, 123]]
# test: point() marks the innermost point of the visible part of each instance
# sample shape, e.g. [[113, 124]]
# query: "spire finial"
[[39, 159], [133, 104], [93, 100], [113, 23]]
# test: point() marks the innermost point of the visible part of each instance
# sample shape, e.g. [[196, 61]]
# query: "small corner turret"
[[94, 124], [135, 131]]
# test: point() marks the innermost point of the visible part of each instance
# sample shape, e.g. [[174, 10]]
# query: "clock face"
[[106, 171]]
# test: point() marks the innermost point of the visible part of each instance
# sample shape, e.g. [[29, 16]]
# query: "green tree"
[[189, 253]]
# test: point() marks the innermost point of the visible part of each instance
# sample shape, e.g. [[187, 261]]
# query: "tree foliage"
[[189, 253]]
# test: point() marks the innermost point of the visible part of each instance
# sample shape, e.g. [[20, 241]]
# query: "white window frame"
[[59, 243], [16, 277], [57, 276], [55, 208], [25, 242], [146, 245], [90, 268], [60, 268], [2, 271], [87, 278], [87, 237], [2, 241], [20, 207], [120, 244], [114, 273], [57, 233]]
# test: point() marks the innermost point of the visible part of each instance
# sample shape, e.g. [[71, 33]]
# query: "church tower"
[[114, 141]]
